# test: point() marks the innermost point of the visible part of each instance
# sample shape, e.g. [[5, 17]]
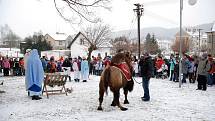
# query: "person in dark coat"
[[66, 66], [146, 73], [176, 71]]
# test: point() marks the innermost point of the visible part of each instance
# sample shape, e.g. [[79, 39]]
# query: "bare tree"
[[120, 43], [185, 46], [8, 37], [97, 36], [75, 11]]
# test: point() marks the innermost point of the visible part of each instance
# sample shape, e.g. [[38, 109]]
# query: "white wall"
[[56, 53], [78, 50], [13, 52]]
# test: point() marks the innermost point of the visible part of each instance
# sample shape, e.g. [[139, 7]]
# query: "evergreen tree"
[[151, 45], [36, 42], [147, 43]]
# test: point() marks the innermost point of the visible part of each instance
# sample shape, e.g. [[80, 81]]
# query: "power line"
[[132, 26], [160, 2], [154, 15]]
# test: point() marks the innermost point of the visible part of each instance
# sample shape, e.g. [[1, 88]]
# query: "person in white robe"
[[76, 69], [28, 51]]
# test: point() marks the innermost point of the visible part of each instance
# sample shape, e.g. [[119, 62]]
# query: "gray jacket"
[[185, 64], [203, 67]]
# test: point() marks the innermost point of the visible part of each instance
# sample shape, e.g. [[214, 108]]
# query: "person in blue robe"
[[34, 75], [84, 69]]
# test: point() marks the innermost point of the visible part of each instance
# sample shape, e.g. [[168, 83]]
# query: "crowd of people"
[[161, 67], [193, 68], [12, 66]]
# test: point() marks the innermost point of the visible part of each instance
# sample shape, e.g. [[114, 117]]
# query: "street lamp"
[[212, 47], [191, 2], [212, 42], [199, 40]]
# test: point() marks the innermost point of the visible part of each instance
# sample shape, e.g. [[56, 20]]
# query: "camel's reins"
[[136, 80]]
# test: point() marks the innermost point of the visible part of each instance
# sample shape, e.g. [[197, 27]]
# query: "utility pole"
[[180, 46], [191, 2], [199, 40], [212, 43], [139, 11]]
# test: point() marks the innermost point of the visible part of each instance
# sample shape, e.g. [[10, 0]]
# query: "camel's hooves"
[[124, 109], [126, 102], [99, 108]]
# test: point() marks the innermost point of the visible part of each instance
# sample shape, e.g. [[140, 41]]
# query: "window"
[[81, 41], [60, 43]]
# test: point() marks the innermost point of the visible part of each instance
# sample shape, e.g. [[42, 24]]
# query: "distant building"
[[11, 52], [204, 42], [211, 40], [8, 43], [198, 40], [165, 46], [59, 41]]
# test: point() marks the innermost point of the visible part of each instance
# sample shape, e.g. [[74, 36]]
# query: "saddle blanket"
[[125, 70]]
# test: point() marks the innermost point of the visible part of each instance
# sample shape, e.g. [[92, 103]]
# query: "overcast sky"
[[28, 16]]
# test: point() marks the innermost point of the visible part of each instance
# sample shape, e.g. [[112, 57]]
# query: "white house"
[[165, 46], [79, 47]]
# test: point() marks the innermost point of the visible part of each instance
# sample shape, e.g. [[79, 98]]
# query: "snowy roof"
[[79, 33], [59, 36], [193, 33], [213, 28], [204, 36]]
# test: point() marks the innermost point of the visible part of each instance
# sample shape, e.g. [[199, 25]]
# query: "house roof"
[[75, 38], [59, 36]]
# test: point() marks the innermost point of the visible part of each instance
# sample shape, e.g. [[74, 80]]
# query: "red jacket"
[[159, 63]]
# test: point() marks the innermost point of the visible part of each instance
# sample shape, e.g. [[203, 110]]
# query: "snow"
[[168, 103]]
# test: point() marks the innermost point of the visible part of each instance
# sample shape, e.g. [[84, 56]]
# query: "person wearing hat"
[[202, 71], [146, 73], [66, 68]]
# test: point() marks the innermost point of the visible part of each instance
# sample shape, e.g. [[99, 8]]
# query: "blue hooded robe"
[[84, 69], [35, 73]]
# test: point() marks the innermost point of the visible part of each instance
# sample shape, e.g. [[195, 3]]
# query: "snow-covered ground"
[[168, 103]]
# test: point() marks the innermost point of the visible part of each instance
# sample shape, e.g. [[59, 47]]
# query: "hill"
[[159, 32]]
